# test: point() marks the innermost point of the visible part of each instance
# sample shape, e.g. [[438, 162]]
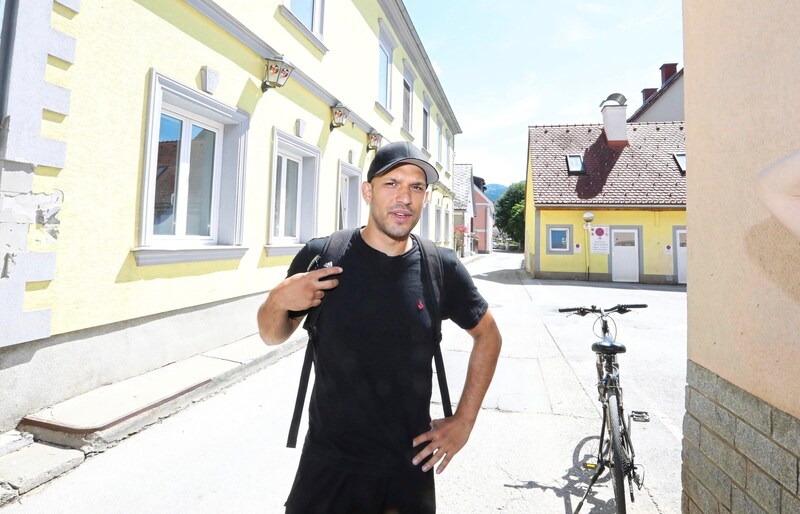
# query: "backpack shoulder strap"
[[332, 253], [433, 274]]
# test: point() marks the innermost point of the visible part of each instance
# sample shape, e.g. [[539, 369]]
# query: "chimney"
[[647, 93], [667, 71], [615, 123]]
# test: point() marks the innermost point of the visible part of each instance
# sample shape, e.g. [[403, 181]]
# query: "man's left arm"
[[447, 436]]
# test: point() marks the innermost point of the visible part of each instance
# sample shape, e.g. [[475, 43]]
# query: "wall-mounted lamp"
[[277, 73], [340, 114], [374, 140]]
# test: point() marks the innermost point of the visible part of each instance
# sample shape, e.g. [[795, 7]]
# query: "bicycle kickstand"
[[597, 474]]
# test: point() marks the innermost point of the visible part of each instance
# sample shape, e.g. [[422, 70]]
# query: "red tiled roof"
[[642, 173]]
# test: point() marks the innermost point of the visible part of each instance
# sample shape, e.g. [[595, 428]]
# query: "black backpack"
[[433, 280]]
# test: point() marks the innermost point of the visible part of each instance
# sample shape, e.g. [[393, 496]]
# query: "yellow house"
[[162, 162], [607, 202]]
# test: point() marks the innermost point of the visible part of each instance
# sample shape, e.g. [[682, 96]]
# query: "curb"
[[55, 440]]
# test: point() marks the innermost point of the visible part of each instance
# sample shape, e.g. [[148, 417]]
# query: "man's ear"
[[366, 191], [427, 195]]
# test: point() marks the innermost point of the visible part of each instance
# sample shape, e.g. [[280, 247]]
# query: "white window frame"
[[387, 45], [559, 251], [448, 148], [426, 122], [279, 190], [189, 119], [438, 224], [352, 196], [227, 216], [314, 33], [439, 139], [425, 231], [409, 78], [448, 232], [287, 145]]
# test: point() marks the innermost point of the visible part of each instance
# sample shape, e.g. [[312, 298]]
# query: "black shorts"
[[320, 488]]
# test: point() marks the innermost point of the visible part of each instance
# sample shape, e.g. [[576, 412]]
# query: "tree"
[[509, 214]]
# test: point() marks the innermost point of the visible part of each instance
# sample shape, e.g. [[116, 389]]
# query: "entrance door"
[[624, 255], [680, 253]]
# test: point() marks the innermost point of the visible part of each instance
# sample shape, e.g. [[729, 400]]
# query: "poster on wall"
[[578, 248], [600, 240]]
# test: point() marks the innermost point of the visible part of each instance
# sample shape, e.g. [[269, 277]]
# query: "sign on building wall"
[[600, 240]]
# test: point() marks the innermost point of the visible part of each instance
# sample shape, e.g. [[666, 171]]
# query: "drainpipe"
[[7, 33]]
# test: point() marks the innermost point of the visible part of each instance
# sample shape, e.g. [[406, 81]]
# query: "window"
[[575, 164], [294, 193], [447, 230], [408, 96], [426, 122], [426, 231], [187, 176], [680, 158], [386, 47], [193, 177], [307, 17], [439, 140], [438, 224], [406, 105], [349, 196], [559, 239], [448, 149]]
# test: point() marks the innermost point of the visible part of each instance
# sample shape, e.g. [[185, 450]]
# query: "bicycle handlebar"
[[621, 308]]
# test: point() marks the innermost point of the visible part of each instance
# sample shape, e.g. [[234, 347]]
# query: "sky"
[[508, 64]]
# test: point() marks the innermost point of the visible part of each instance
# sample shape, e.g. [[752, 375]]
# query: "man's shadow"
[[577, 480]]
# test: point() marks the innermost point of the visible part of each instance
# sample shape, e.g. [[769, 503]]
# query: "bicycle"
[[616, 452]]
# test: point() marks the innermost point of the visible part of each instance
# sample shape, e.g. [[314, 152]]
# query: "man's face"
[[395, 200]]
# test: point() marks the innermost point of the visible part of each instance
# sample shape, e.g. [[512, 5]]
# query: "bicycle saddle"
[[608, 347]]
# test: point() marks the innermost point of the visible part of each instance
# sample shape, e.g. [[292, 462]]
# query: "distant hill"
[[495, 191]]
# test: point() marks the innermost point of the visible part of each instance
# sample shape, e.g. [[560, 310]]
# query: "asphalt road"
[[539, 423]]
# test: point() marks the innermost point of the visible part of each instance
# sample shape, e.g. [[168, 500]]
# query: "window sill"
[[385, 112], [282, 249], [300, 26], [406, 134], [148, 256], [426, 152]]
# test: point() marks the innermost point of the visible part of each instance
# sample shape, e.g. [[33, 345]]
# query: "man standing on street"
[[371, 443]]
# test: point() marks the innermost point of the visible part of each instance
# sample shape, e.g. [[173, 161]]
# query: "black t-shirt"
[[372, 366]]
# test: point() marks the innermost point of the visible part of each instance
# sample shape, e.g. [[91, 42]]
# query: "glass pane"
[[558, 239], [624, 239], [292, 188], [406, 106], [425, 117], [575, 163], [383, 77], [304, 10], [201, 178], [682, 239], [277, 202], [169, 148]]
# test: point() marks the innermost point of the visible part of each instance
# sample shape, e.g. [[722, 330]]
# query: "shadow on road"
[[577, 480], [607, 285], [503, 276]]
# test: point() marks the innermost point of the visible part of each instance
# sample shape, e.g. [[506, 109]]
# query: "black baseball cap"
[[402, 152]]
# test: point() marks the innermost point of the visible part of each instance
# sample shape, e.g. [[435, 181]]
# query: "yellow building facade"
[[151, 190]]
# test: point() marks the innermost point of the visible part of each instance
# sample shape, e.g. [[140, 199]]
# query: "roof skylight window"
[[680, 158], [575, 164]]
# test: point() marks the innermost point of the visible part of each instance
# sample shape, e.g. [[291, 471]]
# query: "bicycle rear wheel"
[[620, 460]]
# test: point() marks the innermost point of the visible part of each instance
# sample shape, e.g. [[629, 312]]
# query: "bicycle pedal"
[[640, 416]]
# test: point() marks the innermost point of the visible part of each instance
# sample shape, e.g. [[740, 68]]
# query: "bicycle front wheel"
[[620, 461]]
